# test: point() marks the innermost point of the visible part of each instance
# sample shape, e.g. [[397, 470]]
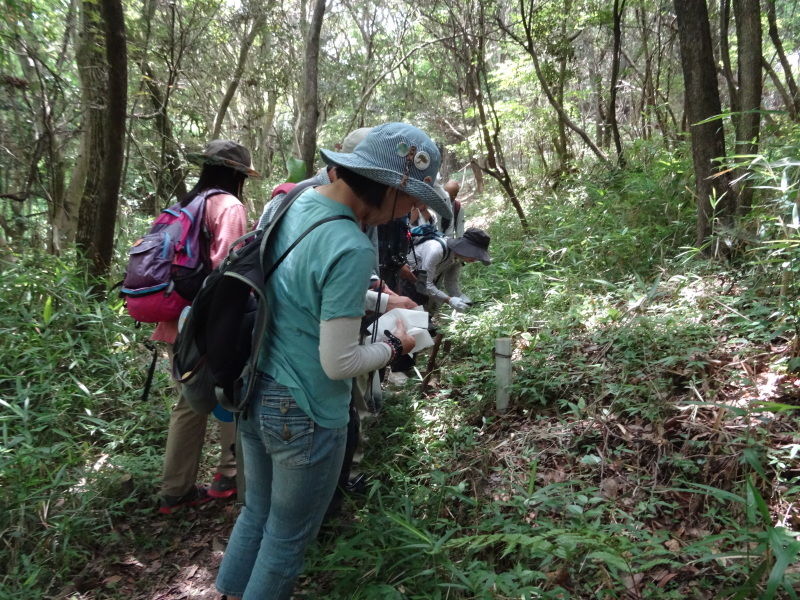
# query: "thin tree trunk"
[[496, 165], [530, 48], [787, 68], [619, 9], [725, 54], [310, 108], [563, 115], [176, 183], [561, 143], [781, 89], [258, 25], [748, 34]]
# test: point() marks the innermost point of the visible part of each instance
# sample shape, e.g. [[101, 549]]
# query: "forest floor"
[[186, 568], [710, 435]]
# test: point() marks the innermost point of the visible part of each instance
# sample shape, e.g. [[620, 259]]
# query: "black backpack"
[[423, 233], [220, 335]]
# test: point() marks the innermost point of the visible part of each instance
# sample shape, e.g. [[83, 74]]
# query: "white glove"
[[458, 304], [466, 299]]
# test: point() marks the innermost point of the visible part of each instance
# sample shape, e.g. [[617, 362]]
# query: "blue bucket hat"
[[400, 156]]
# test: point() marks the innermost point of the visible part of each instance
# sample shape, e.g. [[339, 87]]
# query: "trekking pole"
[[150, 372]]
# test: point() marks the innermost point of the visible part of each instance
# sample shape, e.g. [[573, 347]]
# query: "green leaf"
[[753, 495], [716, 492], [48, 310], [777, 406], [752, 459], [296, 169], [612, 560], [783, 558]]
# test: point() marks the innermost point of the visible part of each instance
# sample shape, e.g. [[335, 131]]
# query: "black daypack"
[[220, 335]]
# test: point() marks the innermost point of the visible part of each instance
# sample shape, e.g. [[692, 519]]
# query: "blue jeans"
[[291, 466]]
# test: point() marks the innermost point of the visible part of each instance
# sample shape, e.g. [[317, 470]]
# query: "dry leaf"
[[609, 488], [190, 571], [632, 582], [666, 579], [153, 566]]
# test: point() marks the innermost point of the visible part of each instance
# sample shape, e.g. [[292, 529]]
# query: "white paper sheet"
[[416, 322]]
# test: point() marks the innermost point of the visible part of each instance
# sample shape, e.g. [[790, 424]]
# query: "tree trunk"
[[725, 55], [175, 184], [478, 173], [714, 202], [94, 88], [780, 88], [67, 220], [478, 80], [787, 68], [98, 212], [310, 108], [528, 44], [748, 34], [619, 9], [561, 141], [258, 24]]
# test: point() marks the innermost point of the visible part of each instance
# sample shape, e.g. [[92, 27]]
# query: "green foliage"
[[592, 489], [73, 426], [296, 169]]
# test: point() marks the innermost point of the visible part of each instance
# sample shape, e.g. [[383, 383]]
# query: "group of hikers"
[[299, 431]]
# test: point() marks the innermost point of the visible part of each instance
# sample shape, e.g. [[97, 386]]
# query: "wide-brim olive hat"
[[225, 153], [473, 244], [400, 156]]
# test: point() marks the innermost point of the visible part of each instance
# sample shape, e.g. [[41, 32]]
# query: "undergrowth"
[[650, 450], [79, 447]]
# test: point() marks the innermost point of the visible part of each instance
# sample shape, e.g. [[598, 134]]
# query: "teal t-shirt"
[[324, 277]]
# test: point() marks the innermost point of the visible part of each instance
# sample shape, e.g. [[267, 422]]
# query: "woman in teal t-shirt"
[[294, 432]]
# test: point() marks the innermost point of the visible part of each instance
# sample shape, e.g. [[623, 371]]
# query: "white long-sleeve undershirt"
[[340, 354]]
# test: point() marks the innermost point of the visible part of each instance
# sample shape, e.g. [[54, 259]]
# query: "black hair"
[[371, 192], [216, 176]]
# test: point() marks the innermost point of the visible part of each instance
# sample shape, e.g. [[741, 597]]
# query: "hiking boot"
[[358, 485], [194, 497], [223, 487]]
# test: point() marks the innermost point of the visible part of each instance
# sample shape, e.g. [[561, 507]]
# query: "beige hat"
[[354, 138]]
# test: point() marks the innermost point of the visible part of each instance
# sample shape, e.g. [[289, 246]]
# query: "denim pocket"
[[287, 431]]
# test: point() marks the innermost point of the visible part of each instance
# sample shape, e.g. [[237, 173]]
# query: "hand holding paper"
[[415, 321]]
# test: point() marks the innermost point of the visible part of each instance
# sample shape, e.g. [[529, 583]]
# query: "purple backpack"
[[167, 267]]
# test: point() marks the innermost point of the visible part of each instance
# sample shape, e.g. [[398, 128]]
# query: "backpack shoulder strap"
[[263, 235], [301, 236], [445, 247]]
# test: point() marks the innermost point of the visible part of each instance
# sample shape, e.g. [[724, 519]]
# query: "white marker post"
[[502, 354]]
